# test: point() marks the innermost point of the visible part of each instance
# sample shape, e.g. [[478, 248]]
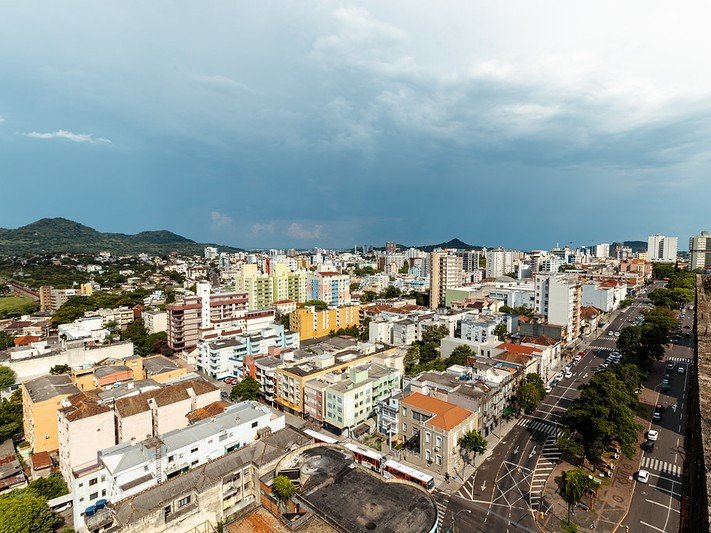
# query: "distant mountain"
[[61, 235], [454, 243]]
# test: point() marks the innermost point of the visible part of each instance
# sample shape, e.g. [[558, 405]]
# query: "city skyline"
[[339, 123]]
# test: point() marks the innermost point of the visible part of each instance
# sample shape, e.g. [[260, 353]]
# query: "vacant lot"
[[16, 305]]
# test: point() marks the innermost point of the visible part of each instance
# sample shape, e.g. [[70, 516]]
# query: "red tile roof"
[[517, 348], [447, 415]]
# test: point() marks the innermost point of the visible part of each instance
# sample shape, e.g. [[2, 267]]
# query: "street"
[[505, 490], [655, 506]]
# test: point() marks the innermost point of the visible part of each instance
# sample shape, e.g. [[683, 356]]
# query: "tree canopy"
[[642, 345], [471, 444], [320, 305], [573, 486], [143, 343], [283, 489], [24, 512], [7, 376], [530, 393], [59, 369], [605, 412], [247, 389]]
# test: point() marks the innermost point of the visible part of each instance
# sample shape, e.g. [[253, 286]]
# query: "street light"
[[454, 516]]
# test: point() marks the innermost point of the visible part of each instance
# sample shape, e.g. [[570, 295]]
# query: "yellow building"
[[265, 289], [86, 289], [311, 324], [41, 399]]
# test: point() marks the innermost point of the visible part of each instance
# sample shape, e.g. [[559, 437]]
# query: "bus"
[[365, 456], [407, 473]]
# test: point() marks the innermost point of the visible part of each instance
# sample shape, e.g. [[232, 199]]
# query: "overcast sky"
[[522, 124]]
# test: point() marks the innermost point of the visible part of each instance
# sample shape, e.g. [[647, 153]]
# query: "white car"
[[680, 370], [652, 435], [577, 358], [617, 333], [643, 476], [559, 376], [548, 388], [611, 333], [568, 374]]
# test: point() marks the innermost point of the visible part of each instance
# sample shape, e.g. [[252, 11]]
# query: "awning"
[[508, 411]]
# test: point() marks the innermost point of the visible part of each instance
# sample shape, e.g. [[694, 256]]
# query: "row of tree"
[[76, 306], [644, 344], [143, 343]]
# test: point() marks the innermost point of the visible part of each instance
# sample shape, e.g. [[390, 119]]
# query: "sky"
[[302, 123]]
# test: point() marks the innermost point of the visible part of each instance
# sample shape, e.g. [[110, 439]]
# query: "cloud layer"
[[336, 123]]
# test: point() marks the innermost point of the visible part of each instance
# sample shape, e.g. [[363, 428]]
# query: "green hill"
[[50, 235]]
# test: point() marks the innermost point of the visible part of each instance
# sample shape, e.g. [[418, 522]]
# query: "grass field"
[[15, 304]]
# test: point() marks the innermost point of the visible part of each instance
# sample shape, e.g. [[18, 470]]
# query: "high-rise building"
[[390, 247], [602, 251], [445, 273], [558, 300], [263, 289], [661, 249], [210, 252], [330, 287], [187, 317], [498, 262], [470, 260], [700, 251]]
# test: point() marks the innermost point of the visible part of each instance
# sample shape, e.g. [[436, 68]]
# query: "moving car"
[[670, 365], [680, 370], [652, 435], [648, 446], [643, 476], [611, 333]]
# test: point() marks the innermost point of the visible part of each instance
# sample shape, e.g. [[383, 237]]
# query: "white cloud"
[[69, 136], [220, 221], [299, 231], [262, 228], [2, 119]]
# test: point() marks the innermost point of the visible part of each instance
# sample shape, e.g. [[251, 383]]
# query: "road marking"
[[483, 486], [653, 527], [662, 505]]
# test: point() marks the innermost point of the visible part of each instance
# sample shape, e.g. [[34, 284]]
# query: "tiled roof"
[[447, 415], [83, 406], [517, 348], [210, 410]]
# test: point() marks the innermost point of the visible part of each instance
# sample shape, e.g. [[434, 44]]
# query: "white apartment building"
[[498, 262], [602, 251], [661, 249], [126, 469], [700, 251], [480, 329], [155, 321], [210, 252], [605, 295], [519, 295], [558, 300]]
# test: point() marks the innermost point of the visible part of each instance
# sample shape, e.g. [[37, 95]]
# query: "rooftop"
[[359, 501], [447, 415], [48, 387], [158, 364]]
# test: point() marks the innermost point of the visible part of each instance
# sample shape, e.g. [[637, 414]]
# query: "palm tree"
[[573, 486]]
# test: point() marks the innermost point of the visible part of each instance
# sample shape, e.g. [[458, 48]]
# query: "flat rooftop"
[[360, 501]]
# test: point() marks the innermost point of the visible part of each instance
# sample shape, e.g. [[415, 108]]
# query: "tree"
[[7, 376], [320, 305], [472, 444], [367, 297], [530, 393], [567, 443], [460, 355], [431, 339], [247, 389], [662, 270], [59, 369], [24, 511], [391, 292], [573, 485], [11, 415], [405, 268], [501, 331], [412, 356], [49, 487], [283, 489], [518, 311], [284, 320], [6, 340]]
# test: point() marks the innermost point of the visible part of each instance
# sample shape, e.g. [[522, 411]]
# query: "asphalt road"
[[655, 506], [504, 491]]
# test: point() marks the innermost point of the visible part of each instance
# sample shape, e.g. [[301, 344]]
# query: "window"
[[438, 441], [182, 502], [404, 428], [404, 411], [255, 424], [82, 484], [223, 437], [171, 458], [103, 493], [194, 462], [103, 478], [93, 481], [93, 496], [439, 460], [428, 455], [427, 437], [194, 450]]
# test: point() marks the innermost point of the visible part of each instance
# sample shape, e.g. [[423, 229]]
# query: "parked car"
[[648, 446], [652, 435], [577, 358], [680, 370], [559, 376], [670, 365], [568, 374], [643, 476], [548, 388]]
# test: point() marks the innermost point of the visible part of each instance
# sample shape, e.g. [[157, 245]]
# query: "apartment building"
[[155, 321], [330, 287], [266, 288], [127, 469], [201, 312], [661, 249], [41, 399], [700, 251], [445, 273], [51, 299], [430, 429], [605, 295], [225, 357], [122, 316], [311, 324], [351, 401], [499, 262], [558, 300]]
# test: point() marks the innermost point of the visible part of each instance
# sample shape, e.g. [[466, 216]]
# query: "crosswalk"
[[550, 455], [602, 348], [442, 501], [538, 425], [678, 359], [650, 463]]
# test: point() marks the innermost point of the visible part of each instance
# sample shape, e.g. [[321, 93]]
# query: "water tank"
[[90, 511]]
